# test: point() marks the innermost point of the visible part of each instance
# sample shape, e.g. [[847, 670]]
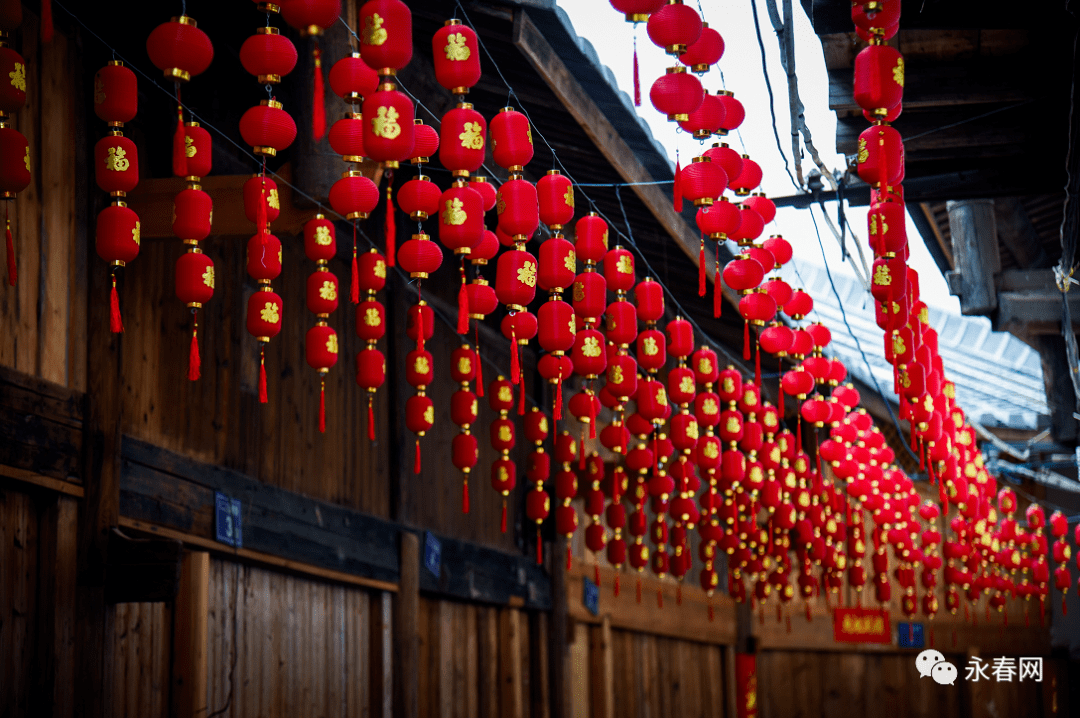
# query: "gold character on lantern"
[[603, 238], [905, 380], [924, 315], [26, 158], [709, 407], [270, 313], [422, 365], [328, 291], [331, 344], [882, 278], [385, 123], [18, 76], [750, 398], [611, 324], [470, 137], [928, 403], [729, 385], [615, 375], [692, 429], [661, 396], [569, 196], [99, 90], [373, 32], [271, 198], [454, 214], [116, 160], [686, 385], [590, 347], [874, 225], [371, 317], [704, 366], [579, 292], [189, 147], [505, 394], [322, 235], [380, 269], [500, 203], [474, 407], [649, 344], [572, 324], [625, 265], [464, 365], [898, 72], [710, 451], [543, 424], [733, 425], [429, 415], [136, 233], [526, 274], [570, 260], [770, 421], [208, 277], [528, 134], [456, 49], [504, 433], [898, 345]]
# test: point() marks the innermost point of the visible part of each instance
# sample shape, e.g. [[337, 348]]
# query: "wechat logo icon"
[[932, 663]]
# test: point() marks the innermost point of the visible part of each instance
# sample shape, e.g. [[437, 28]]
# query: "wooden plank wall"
[[142, 660], [287, 647], [43, 317], [18, 599], [478, 660]]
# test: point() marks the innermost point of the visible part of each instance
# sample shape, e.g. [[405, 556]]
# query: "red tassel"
[[355, 281], [318, 100], [479, 365], [390, 225], [596, 574], [581, 454], [194, 362], [592, 422], [462, 304], [465, 495], [13, 274], [262, 375], [539, 548], [46, 21], [677, 190], [416, 462], [557, 412], [115, 324], [322, 407], [515, 364], [370, 420], [798, 432], [718, 288], [616, 589], [503, 523], [637, 78], [262, 224], [419, 320], [521, 400], [701, 275], [569, 557], [780, 388], [179, 146], [746, 340], [757, 364]]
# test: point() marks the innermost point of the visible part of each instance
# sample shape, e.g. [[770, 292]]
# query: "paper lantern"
[[889, 278], [456, 54], [674, 27], [116, 161], [267, 128], [511, 138], [322, 292], [15, 165], [879, 78], [116, 93], [192, 211], [311, 17], [370, 369], [354, 196], [651, 350], [386, 41], [268, 55], [705, 51], [556, 326], [486, 190], [557, 264], [117, 236], [179, 49], [321, 348], [462, 140], [880, 159], [194, 278], [259, 189], [706, 119], [264, 257], [198, 151], [352, 80], [799, 305], [619, 270], [876, 17], [347, 137], [518, 209], [591, 240], [747, 179], [637, 11], [720, 220], [555, 195], [425, 143], [649, 298], [389, 130], [264, 314], [419, 198], [590, 293], [515, 283], [419, 256], [734, 114], [676, 93], [779, 248], [702, 181], [461, 217], [588, 353]]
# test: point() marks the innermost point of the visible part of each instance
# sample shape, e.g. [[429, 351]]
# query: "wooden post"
[[731, 686], [602, 670], [975, 251], [406, 629], [57, 561], [190, 636], [558, 635], [382, 676]]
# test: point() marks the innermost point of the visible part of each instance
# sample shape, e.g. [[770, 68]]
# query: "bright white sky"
[[613, 39]]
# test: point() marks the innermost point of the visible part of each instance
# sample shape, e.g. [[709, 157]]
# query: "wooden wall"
[[18, 598], [142, 664], [43, 317]]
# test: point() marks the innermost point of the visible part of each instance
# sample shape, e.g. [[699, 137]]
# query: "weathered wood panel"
[[18, 599], [42, 426], [140, 673], [281, 646]]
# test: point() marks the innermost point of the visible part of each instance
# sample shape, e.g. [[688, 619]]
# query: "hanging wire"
[[772, 99]]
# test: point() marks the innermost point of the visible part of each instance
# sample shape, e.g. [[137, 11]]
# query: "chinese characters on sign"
[[858, 625]]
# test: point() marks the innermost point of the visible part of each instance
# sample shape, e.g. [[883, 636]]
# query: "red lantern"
[[705, 52], [880, 157], [590, 292], [116, 161], [876, 17], [750, 228], [347, 137], [259, 189], [511, 139], [456, 53], [702, 181], [555, 194], [649, 298], [761, 204], [799, 305], [748, 179], [515, 282], [743, 274], [619, 270], [13, 89], [389, 130], [779, 248], [321, 347], [637, 11], [322, 292], [674, 27], [558, 265], [879, 78], [420, 256], [734, 114], [267, 128], [676, 93], [264, 257], [179, 49], [888, 232], [370, 369], [194, 278], [352, 80], [116, 94], [889, 279], [370, 320], [461, 217], [706, 119], [776, 339], [311, 17], [117, 236], [588, 356], [518, 209], [720, 220], [354, 196], [192, 210], [556, 326], [264, 314], [386, 41], [419, 414], [425, 143], [198, 149], [268, 55], [486, 190], [419, 198], [462, 140], [591, 241]]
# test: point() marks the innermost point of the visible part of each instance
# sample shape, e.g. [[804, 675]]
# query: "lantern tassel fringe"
[[179, 158], [115, 323], [262, 376], [637, 78], [557, 411], [676, 198], [757, 365], [746, 341], [479, 365], [354, 284], [194, 362], [465, 495], [717, 290], [46, 21], [318, 100], [390, 226], [569, 557], [502, 524], [463, 304], [322, 407], [13, 274], [416, 462], [702, 271], [515, 362], [370, 420]]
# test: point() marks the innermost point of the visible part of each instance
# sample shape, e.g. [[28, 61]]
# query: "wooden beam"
[[407, 630], [944, 84], [1018, 234], [975, 249], [190, 616], [953, 134], [45, 482], [547, 63]]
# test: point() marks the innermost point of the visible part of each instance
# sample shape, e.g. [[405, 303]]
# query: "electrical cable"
[[772, 99]]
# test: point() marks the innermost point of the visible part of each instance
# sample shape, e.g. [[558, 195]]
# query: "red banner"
[[746, 684], [861, 625]]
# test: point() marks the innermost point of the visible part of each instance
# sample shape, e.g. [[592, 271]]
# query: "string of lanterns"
[[14, 148]]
